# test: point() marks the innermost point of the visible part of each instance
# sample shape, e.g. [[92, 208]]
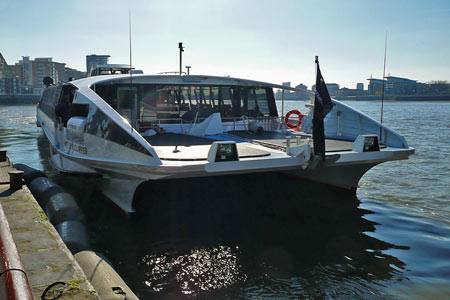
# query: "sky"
[[267, 40]]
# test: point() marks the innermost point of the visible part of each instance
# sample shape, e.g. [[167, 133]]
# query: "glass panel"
[[168, 103], [261, 99], [214, 94], [49, 99], [147, 105], [99, 124], [126, 98]]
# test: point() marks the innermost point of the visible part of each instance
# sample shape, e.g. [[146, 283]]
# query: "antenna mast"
[[129, 33], [382, 91], [131, 70]]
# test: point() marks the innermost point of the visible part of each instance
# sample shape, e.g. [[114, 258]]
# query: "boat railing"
[[230, 123]]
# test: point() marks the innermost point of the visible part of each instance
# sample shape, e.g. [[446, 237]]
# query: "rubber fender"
[[43, 188], [73, 234], [63, 207], [103, 277], [29, 174]]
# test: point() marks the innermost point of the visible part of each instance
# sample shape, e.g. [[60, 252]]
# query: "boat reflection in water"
[[239, 237]]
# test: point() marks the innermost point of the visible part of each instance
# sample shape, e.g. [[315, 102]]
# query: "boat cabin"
[[145, 105]]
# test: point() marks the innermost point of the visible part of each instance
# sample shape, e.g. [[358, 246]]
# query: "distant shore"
[[399, 98], [18, 99], [387, 97]]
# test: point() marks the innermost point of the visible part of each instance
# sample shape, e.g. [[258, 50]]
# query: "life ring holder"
[[300, 117]]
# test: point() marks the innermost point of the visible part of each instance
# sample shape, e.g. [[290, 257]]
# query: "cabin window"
[[67, 93], [173, 103], [99, 124], [63, 110], [49, 100], [126, 98]]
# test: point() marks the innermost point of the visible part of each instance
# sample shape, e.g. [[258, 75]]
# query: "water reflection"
[[196, 271], [260, 235]]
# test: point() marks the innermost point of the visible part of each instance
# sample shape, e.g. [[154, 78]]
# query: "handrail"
[[14, 283], [267, 120]]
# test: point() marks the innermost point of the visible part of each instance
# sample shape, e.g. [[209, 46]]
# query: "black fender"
[[43, 188], [62, 207], [29, 174], [73, 234]]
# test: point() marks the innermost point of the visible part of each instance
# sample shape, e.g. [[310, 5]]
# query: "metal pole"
[[282, 103], [382, 91], [188, 69], [180, 46]]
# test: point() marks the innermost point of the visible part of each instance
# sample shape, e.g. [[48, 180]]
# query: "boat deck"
[[182, 147], [279, 139]]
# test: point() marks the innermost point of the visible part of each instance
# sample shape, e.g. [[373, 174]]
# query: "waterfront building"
[[74, 74], [43, 67], [3, 64], [301, 86], [26, 76], [301, 96], [290, 95], [32, 73], [9, 80], [438, 87], [375, 86], [346, 92], [94, 60], [25, 68], [400, 86], [393, 86], [333, 88]]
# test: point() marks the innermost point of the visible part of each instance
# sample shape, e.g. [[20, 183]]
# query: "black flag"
[[322, 105]]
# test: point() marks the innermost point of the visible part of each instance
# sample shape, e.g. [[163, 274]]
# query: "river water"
[[266, 236]]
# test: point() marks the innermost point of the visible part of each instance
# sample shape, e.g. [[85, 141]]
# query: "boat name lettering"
[[75, 147]]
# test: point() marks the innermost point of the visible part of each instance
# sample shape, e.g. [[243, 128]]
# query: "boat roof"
[[113, 66], [178, 80]]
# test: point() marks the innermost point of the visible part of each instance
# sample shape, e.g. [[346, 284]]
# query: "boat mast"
[[131, 70], [382, 90]]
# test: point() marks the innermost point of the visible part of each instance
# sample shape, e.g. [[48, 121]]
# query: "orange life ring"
[[300, 116]]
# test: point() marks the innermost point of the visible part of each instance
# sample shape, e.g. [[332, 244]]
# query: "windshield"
[[169, 103]]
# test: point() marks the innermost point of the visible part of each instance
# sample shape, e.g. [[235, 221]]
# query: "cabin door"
[[127, 104]]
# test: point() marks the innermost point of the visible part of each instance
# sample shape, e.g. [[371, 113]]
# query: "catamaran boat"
[[133, 129]]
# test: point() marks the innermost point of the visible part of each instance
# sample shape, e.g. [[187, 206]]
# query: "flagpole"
[[316, 62], [322, 106]]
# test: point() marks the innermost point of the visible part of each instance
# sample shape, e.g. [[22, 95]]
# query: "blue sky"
[[264, 40]]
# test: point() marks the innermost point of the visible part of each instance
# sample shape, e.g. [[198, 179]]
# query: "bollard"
[[3, 155], [15, 180], [288, 142]]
